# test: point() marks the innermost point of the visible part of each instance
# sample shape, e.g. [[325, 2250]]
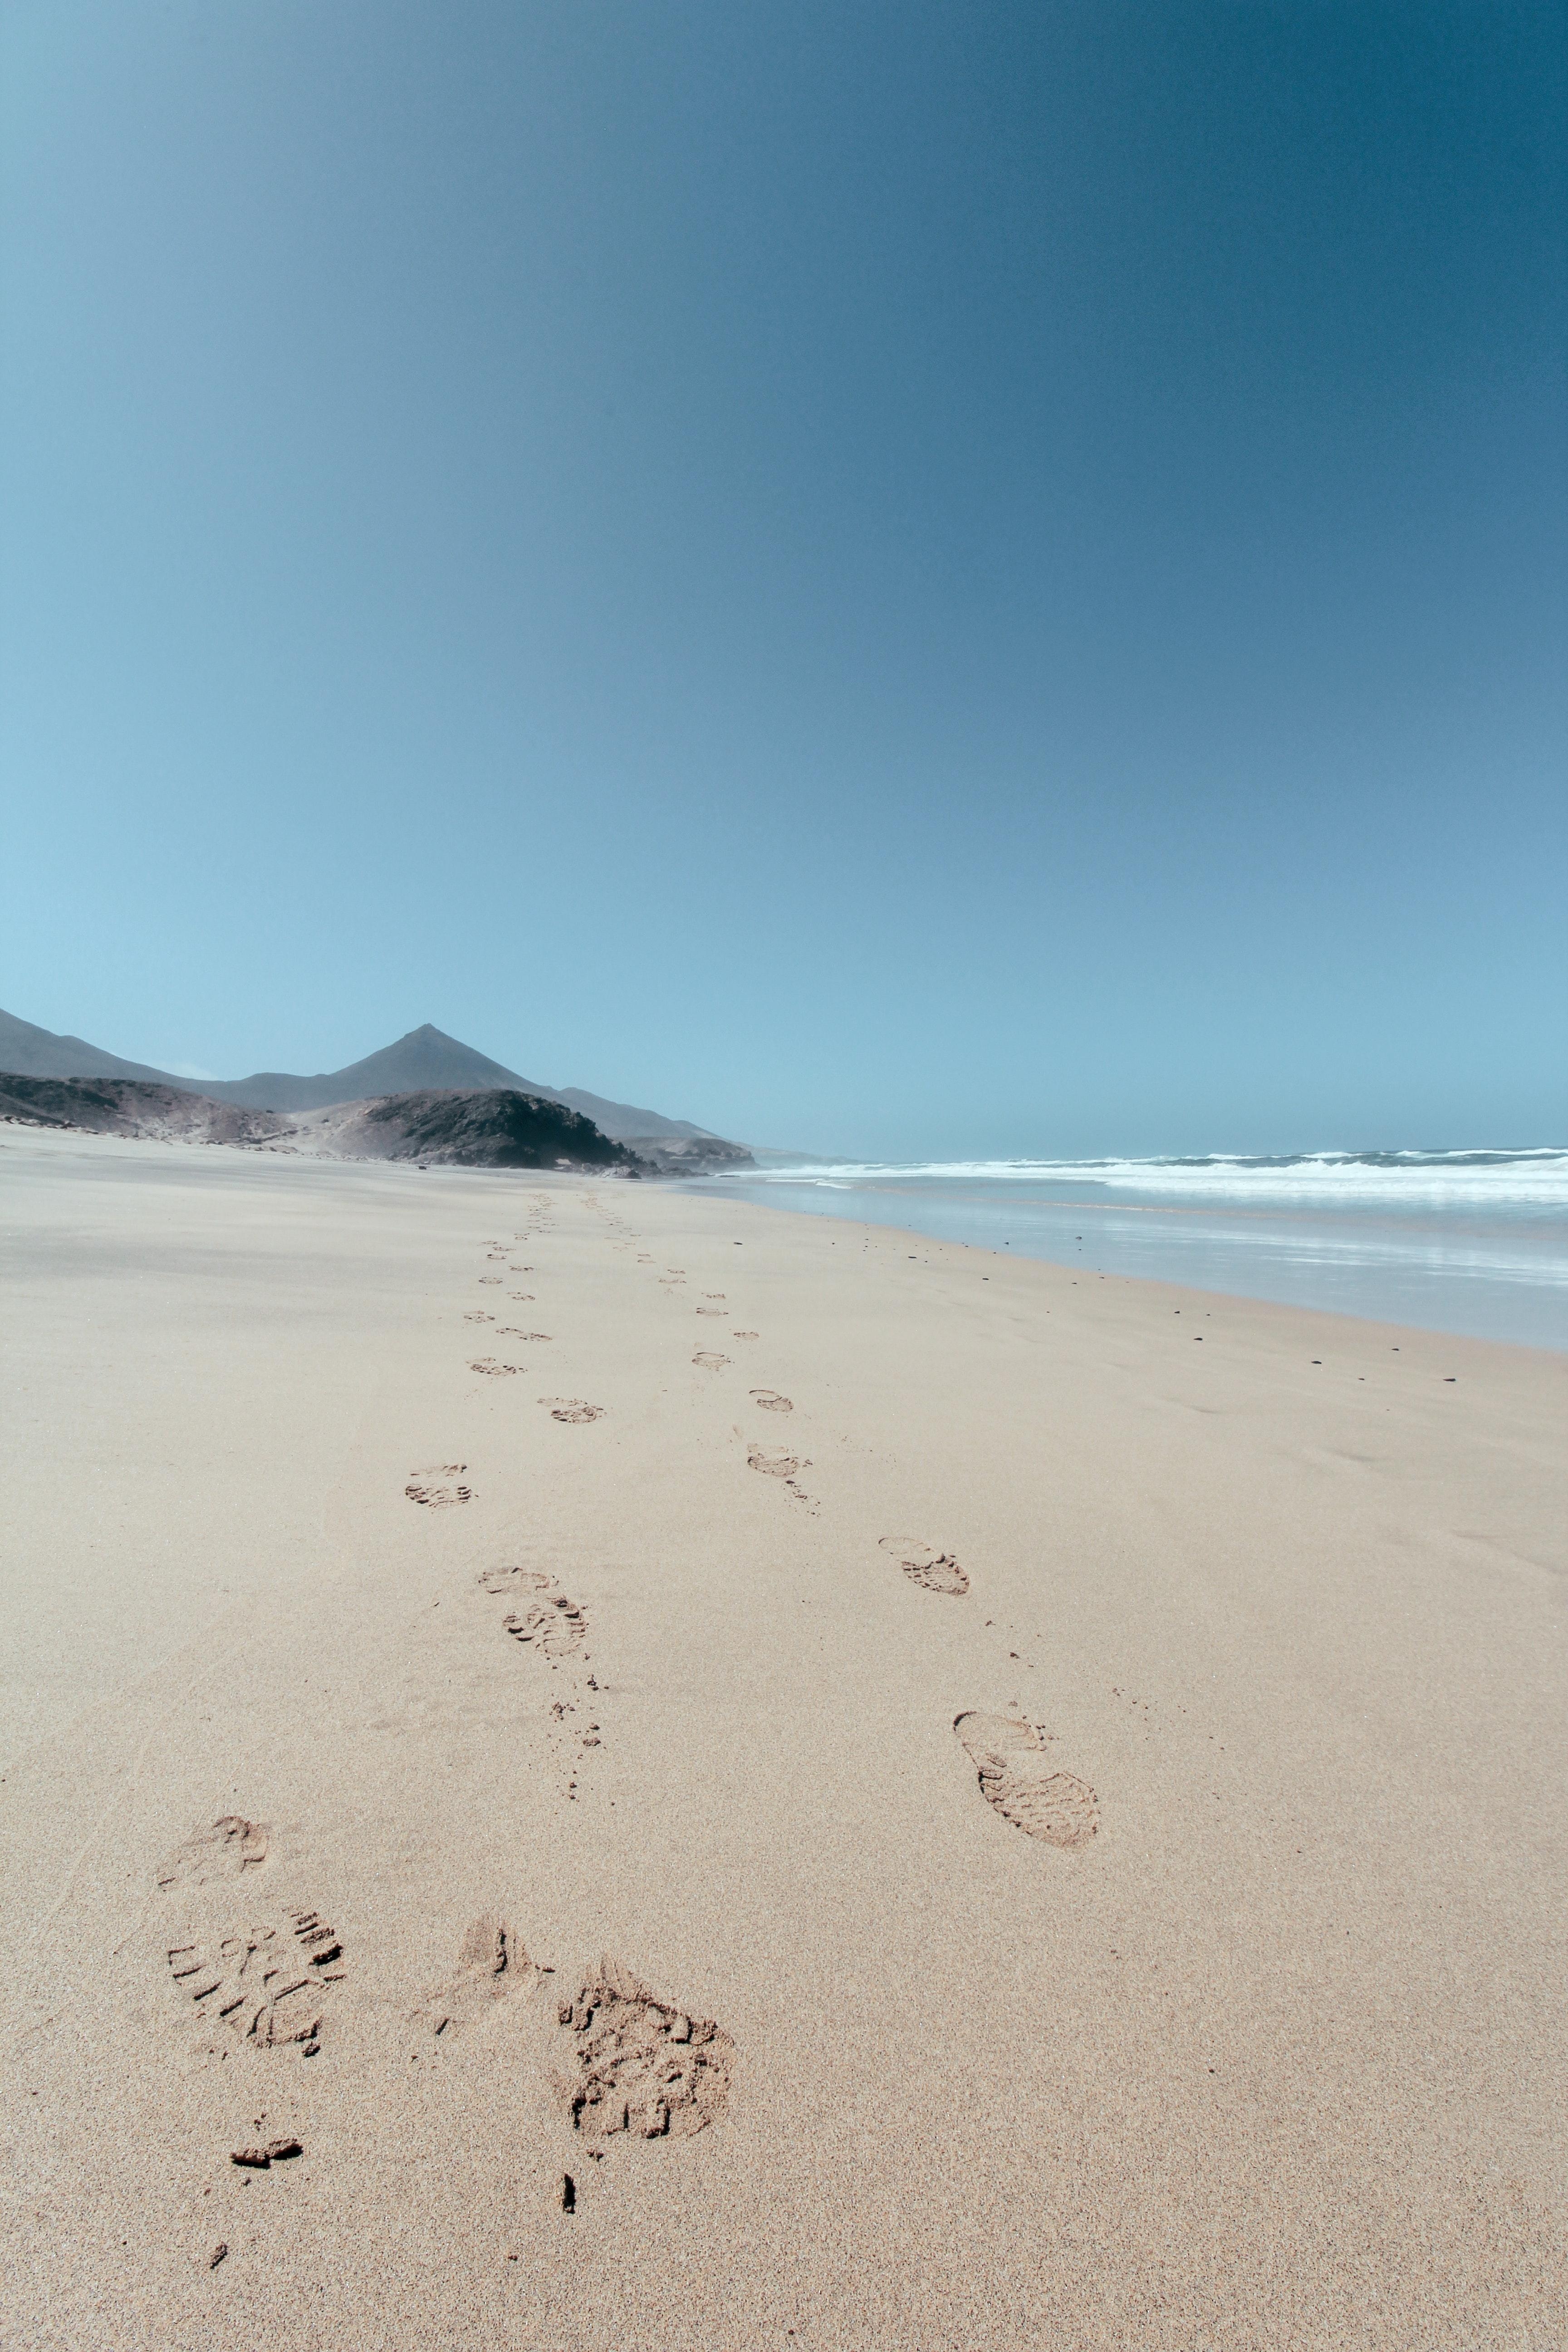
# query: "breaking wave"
[[1535, 1177]]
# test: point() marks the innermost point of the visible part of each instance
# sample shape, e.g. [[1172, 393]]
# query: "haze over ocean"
[[916, 582]]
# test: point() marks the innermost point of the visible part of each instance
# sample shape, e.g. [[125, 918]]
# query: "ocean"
[[1463, 1240]]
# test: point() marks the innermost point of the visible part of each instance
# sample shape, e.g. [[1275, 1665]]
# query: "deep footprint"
[[1010, 1758], [265, 1983], [642, 2065], [923, 1564], [770, 1400]]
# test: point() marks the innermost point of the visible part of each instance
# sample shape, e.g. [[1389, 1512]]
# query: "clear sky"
[[972, 579]]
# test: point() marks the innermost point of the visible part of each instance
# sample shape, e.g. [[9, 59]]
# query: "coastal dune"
[[588, 1765]]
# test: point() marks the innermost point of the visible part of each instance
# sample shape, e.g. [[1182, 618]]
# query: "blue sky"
[[979, 579]]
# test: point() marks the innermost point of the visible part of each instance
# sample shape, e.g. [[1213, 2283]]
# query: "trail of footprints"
[[639, 2065], [1008, 1753]]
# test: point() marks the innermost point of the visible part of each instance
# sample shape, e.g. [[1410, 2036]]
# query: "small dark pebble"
[[256, 2159], [219, 2254], [568, 2193]]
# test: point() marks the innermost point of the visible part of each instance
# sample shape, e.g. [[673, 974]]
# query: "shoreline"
[[1498, 1278], [1241, 2062]]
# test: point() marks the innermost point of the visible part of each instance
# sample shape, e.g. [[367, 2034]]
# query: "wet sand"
[[481, 1658]]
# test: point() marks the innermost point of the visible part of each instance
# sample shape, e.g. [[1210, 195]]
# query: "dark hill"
[[496, 1126], [128, 1107], [499, 1127]]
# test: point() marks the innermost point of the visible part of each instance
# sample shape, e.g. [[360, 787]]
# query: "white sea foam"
[[1481, 1179]]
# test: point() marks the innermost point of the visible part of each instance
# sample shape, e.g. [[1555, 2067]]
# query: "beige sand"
[[1204, 1989]]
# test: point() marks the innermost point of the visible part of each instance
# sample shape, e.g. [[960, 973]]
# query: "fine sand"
[[959, 1804]]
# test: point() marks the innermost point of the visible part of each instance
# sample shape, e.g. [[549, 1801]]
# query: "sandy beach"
[[481, 1661]]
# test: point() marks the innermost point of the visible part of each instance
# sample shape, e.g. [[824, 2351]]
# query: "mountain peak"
[[426, 1060]]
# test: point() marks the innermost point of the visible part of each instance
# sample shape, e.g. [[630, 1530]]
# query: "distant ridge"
[[39, 1053], [426, 1061]]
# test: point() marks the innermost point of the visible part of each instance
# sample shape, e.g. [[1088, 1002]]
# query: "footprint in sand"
[[266, 1983], [556, 1625], [745, 1334], [719, 1311], [640, 2064], [770, 1400], [551, 1621], [435, 1485], [491, 1965], [231, 1847], [1015, 1777], [923, 1564], [491, 1370], [478, 1316], [521, 1297], [709, 1361], [572, 1409], [491, 1280], [779, 1465], [712, 1294], [773, 1463], [510, 1579]]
